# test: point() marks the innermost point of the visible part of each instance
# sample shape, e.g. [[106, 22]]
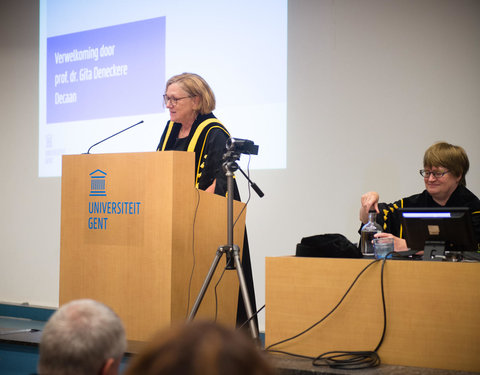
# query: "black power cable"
[[193, 253], [253, 316]]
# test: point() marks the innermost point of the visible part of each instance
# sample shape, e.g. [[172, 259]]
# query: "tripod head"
[[235, 148], [230, 161]]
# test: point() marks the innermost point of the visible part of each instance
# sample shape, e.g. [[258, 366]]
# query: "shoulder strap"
[[169, 131], [198, 131], [401, 228], [193, 144]]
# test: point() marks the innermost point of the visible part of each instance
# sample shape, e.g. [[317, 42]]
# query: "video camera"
[[242, 146]]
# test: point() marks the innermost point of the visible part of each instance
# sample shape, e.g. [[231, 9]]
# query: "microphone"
[[113, 135]]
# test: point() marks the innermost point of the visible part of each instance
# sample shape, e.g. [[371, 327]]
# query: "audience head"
[[82, 337], [200, 348], [451, 157]]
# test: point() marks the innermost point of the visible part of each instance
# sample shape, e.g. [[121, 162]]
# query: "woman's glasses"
[[437, 174], [173, 100]]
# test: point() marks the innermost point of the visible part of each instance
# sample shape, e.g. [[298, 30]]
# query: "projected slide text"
[[111, 71]]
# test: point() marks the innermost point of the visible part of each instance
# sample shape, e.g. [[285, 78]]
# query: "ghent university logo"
[[98, 183]]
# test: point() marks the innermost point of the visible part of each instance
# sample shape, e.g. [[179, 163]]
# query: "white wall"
[[371, 84], [30, 214]]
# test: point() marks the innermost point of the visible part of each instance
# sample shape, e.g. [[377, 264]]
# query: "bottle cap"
[[372, 210]]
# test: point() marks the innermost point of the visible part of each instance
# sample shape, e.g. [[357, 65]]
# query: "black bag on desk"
[[331, 245]]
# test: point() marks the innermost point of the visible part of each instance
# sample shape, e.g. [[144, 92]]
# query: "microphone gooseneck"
[[113, 135]]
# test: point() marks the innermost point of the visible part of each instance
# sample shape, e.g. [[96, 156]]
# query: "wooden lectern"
[[134, 231]]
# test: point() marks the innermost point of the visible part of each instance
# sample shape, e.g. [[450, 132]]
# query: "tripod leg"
[[244, 290], [206, 282]]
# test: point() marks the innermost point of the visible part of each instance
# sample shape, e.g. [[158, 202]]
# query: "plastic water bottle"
[[368, 231]]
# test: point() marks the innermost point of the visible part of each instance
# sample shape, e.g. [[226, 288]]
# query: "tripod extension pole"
[[229, 175]]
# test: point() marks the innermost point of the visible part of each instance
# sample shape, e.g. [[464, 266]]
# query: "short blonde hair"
[[454, 158], [194, 85]]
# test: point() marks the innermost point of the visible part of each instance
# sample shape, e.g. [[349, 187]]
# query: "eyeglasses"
[[437, 174], [174, 101]]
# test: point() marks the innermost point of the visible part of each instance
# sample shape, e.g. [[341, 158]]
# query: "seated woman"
[[444, 170]]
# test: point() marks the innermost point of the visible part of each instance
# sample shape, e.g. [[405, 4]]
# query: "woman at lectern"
[[444, 169], [193, 127]]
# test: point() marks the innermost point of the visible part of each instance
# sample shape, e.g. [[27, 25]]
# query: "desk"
[[433, 309]]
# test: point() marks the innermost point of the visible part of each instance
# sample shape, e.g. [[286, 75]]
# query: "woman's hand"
[[211, 188], [399, 244], [368, 201]]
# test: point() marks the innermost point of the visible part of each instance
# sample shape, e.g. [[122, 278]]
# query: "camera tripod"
[[231, 250]]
